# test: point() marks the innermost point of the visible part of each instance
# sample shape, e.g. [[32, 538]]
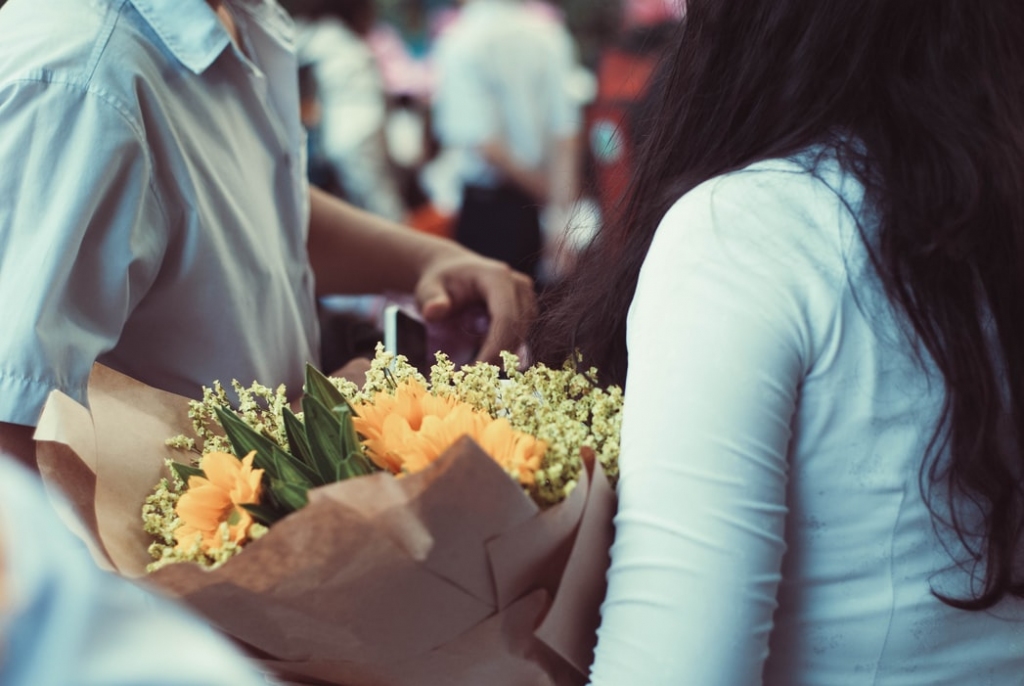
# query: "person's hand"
[[533, 181], [353, 251], [459, 278]]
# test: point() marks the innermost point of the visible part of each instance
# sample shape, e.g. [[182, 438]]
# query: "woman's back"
[[855, 602], [787, 491]]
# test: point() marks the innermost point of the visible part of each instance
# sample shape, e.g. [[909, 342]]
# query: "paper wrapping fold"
[[449, 576]]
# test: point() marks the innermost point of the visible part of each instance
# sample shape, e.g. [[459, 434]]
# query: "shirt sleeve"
[[80, 238], [717, 349]]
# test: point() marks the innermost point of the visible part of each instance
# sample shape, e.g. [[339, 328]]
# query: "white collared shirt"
[[153, 204]]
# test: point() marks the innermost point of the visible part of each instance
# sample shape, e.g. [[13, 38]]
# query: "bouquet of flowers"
[[448, 531]]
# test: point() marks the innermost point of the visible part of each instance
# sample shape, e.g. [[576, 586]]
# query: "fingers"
[[466, 279], [436, 306], [512, 306]]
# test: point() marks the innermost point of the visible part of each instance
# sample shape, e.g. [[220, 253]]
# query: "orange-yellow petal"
[[407, 431], [216, 499]]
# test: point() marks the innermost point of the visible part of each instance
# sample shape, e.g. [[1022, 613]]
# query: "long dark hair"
[[933, 91]]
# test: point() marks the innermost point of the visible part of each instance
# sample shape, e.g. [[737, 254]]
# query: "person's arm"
[[556, 183], [716, 358], [565, 170], [534, 181], [564, 160], [353, 251]]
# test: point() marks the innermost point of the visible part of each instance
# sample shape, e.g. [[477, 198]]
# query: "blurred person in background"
[[318, 169], [331, 40], [504, 112]]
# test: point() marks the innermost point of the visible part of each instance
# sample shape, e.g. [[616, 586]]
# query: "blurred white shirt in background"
[[506, 73]]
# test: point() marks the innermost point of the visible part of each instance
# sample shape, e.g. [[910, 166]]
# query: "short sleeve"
[[718, 345], [81, 232]]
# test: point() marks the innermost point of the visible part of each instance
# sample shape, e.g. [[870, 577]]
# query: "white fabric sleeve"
[[717, 342], [80, 238]]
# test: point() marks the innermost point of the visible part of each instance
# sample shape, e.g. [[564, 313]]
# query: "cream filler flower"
[[536, 423]]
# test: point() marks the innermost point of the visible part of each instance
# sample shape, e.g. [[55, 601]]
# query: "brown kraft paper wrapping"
[[448, 576]]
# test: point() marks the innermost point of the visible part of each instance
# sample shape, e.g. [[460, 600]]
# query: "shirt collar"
[[189, 28]]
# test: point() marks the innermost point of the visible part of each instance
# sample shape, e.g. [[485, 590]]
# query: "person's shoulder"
[[480, 23], [76, 45], [53, 39], [57, 54], [804, 182], [788, 213]]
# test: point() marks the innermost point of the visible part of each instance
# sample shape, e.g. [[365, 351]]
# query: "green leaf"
[[342, 471], [270, 500], [270, 457], [354, 465], [264, 514], [297, 440], [184, 471], [351, 447], [324, 430], [291, 496], [366, 465], [318, 386]]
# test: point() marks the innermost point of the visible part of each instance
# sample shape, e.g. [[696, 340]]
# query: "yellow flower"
[[217, 499], [407, 431], [519, 453], [387, 417]]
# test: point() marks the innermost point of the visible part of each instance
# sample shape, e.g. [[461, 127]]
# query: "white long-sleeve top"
[[771, 528]]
